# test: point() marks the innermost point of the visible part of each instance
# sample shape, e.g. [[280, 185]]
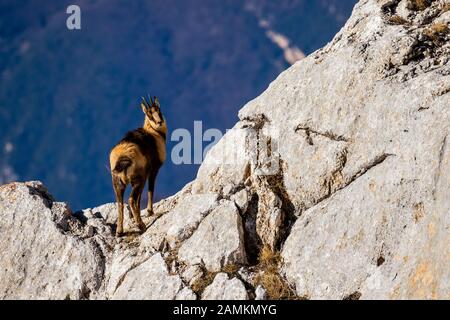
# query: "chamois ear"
[[157, 102]]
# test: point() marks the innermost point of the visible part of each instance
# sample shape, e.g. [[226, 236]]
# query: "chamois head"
[[152, 111]]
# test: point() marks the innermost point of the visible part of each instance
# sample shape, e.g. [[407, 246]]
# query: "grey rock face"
[[192, 274], [223, 288], [150, 280], [359, 131], [218, 241], [342, 165], [260, 293], [46, 253], [186, 294], [179, 223]]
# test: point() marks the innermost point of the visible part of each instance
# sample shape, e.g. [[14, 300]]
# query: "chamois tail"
[[122, 164]]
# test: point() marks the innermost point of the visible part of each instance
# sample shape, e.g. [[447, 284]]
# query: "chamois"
[[136, 159]]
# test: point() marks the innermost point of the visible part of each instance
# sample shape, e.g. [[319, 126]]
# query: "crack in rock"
[[439, 167], [327, 134], [365, 168]]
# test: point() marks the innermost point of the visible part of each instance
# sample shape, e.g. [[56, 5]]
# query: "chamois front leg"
[[151, 189], [136, 191], [119, 189]]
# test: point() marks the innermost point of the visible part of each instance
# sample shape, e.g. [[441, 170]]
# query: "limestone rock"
[[241, 199], [223, 288], [260, 293], [150, 280], [120, 263], [41, 258], [227, 162], [192, 274], [269, 217], [186, 294], [218, 241], [180, 222]]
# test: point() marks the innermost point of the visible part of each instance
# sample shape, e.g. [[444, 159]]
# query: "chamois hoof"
[[150, 212], [142, 227], [119, 234]]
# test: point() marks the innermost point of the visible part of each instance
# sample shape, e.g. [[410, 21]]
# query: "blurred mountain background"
[[66, 97]]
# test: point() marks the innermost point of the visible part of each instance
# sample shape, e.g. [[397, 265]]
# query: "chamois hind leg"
[[119, 189], [130, 214], [139, 199], [151, 189], [137, 188]]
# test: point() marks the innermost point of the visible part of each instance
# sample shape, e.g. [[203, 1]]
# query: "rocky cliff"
[[334, 184]]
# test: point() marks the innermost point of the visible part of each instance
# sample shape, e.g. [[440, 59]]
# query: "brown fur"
[[136, 159]]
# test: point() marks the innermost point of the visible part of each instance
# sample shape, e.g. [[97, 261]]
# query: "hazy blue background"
[[66, 97]]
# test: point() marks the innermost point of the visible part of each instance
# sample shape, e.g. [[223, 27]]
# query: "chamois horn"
[[145, 102]]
